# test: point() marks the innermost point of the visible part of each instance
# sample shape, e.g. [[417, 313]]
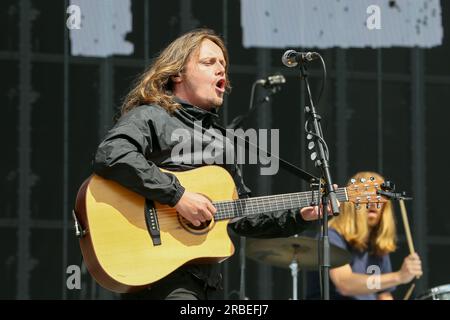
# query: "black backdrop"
[[383, 110]]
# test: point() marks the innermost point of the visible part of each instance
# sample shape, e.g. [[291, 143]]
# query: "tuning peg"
[[313, 156], [309, 136], [378, 205], [318, 163], [372, 178], [358, 206], [388, 186], [352, 181], [311, 145], [367, 205], [362, 180]]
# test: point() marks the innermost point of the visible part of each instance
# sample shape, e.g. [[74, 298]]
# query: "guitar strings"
[[251, 205]]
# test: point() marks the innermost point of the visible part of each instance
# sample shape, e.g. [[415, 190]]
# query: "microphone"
[[271, 81], [292, 58]]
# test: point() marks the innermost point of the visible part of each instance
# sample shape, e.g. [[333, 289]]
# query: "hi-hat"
[[281, 252]]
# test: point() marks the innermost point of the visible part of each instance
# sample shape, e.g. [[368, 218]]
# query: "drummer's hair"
[[351, 223]]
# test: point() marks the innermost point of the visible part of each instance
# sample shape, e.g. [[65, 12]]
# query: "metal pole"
[[264, 182], [24, 149], [65, 182], [418, 156], [341, 116], [379, 111]]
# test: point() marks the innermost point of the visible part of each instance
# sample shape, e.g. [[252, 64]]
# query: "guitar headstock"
[[365, 191]]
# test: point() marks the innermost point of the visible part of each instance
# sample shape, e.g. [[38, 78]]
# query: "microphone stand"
[[237, 123], [329, 194], [239, 120]]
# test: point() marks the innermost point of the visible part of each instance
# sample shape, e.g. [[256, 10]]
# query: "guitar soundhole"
[[202, 228]]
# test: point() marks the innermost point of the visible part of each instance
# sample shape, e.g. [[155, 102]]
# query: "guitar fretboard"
[[243, 207]]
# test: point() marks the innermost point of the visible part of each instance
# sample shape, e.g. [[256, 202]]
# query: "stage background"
[[385, 110]]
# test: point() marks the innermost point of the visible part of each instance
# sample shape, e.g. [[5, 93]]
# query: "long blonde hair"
[[352, 224], [155, 84]]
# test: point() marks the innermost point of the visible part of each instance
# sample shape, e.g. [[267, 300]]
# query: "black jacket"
[[141, 142]]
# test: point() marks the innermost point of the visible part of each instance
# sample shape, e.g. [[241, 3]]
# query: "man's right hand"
[[195, 208], [411, 267]]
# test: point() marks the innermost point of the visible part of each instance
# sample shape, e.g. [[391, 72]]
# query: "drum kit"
[[436, 293], [296, 253]]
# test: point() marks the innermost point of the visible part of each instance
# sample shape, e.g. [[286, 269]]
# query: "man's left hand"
[[312, 213]]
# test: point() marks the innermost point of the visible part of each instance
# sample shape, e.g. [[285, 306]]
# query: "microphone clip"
[[275, 80]]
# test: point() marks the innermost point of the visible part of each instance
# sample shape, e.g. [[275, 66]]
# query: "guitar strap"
[[308, 177]]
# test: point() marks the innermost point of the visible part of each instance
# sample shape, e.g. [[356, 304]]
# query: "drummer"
[[369, 235]]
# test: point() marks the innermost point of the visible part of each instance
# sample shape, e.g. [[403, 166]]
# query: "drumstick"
[[409, 292], [406, 225], [410, 243]]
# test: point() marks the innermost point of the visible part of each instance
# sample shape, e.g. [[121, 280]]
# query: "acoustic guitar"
[[129, 242]]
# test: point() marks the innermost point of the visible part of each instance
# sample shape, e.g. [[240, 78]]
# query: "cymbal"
[[280, 252]]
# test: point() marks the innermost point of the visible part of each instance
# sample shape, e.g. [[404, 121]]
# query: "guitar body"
[[119, 250], [128, 242]]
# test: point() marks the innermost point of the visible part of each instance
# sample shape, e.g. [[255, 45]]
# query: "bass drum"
[[436, 293]]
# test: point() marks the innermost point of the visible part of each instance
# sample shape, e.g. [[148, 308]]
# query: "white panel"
[[340, 23], [104, 25]]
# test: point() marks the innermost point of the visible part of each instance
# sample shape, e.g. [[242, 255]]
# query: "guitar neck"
[[250, 206]]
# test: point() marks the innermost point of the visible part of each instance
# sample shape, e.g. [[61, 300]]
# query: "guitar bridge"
[[151, 220]]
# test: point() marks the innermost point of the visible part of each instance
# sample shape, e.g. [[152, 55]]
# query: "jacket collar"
[[196, 113]]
